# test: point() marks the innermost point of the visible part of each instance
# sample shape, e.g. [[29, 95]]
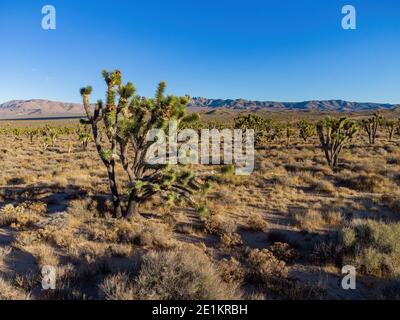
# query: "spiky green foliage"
[[371, 126], [254, 122], [334, 134], [306, 129], [83, 133], [127, 120]]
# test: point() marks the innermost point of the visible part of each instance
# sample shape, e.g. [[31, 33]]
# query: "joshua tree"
[[371, 126], [127, 120], [334, 134], [83, 136], [51, 134], [391, 126], [306, 129], [289, 133], [31, 133], [255, 122]]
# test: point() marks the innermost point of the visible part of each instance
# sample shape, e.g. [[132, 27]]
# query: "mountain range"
[[314, 105], [39, 107]]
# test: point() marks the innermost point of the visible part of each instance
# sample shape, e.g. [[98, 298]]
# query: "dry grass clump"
[[44, 254], [53, 234], [179, 274], [373, 246], [255, 222], [117, 287], [371, 183], [309, 220], [10, 292], [21, 217], [322, 186]]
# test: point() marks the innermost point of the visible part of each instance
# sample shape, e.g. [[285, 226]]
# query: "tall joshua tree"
[[127, 119], [334, 134], [371, 126]]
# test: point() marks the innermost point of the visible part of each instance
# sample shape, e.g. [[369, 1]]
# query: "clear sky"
[[286, 50]]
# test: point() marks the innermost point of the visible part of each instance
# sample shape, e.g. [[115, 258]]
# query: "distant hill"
[[38, 107], [315, 105]]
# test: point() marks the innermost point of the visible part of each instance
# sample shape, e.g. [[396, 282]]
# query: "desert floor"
[[284, 232]]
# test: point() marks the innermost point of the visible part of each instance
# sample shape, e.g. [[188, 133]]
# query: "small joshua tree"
[[83, 134], [306, 129], [256, 123], [127, 119], [31, 133], [371, 126], [51, 134], [391, 126], [334, 134], [289, 133]]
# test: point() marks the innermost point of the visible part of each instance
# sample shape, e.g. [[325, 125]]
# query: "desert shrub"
[[62, 237], [9, 292], [181, 274], [374, 246], [347, 237], [283, 251], [264, 265], [217, 225], [231, 239], [231, 270], [293, 289], [332, 218], [366, 183], [154, 234], [20, 217], [373, 262], [309, 220], [44, 254], [255, 222], [323, 186], [68, 285], [117, 287]]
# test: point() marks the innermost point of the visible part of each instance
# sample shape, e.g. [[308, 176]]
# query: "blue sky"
[[286, 50]]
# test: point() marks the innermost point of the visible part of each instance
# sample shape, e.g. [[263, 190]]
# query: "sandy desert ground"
[[284, 232]]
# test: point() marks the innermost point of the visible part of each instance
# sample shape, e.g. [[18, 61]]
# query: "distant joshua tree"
[[391, 127], [334, 134], [371, 126], [306, 129], [127, 119]]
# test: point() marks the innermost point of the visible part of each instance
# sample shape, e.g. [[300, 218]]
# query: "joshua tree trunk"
[[114, 190], [133, 207]]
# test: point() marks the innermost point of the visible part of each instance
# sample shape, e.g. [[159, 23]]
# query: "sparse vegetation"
[[274, 234]]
